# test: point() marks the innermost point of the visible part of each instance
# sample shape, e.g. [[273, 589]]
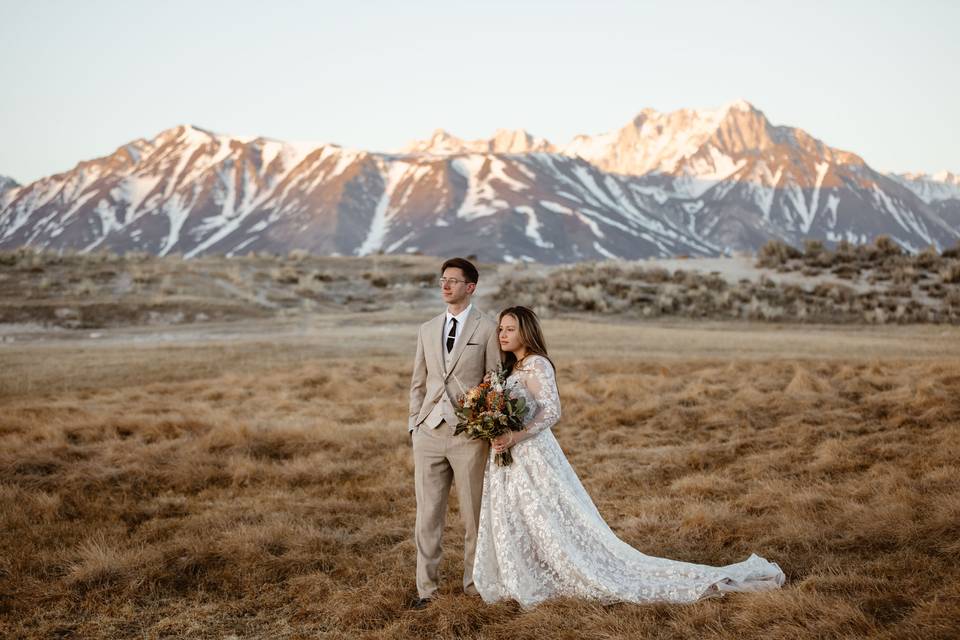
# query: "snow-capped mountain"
[[935, 188], [735, 180], [194, 192], [672, 143], [941, 191], [688, 182], [6, 184]]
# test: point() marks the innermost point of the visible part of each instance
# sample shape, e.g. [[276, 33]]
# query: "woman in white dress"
[[540, 534]]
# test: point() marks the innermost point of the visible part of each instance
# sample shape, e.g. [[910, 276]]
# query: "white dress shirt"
[[461, 318]]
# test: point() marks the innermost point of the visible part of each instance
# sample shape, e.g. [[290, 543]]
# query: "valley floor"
[[253, 479]]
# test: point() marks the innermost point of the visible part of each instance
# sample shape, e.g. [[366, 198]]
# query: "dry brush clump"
[[902, 292], [278, 503], [879, 261]]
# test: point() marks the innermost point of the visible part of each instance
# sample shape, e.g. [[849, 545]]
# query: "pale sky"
[[83, 77]]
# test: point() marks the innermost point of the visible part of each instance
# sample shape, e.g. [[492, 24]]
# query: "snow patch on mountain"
[[383, 212], [481, 199], [609, 255], [533, 227]]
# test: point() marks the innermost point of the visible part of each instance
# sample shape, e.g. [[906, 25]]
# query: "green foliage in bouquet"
[[487, 411]]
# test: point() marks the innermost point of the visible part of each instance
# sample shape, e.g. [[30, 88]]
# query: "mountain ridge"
[[690, 182]]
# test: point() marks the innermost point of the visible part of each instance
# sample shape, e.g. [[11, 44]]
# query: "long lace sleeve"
[[541, 383]]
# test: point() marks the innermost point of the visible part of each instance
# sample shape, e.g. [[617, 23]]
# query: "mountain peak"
[[188, 130], [942, 185], [442, 142], [7, 183], [941, 176], [663, 142], [192, 130], [740, 105], [192, 134], [741, 112], [517, 141], [947, 177], [709, 143], [442, 134]]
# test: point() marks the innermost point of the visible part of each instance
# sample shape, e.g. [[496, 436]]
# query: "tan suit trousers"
[[441, 459]]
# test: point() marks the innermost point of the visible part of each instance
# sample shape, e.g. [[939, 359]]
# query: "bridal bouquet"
[[487, 411]]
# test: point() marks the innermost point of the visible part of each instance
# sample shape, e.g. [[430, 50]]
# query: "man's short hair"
[[469, 271]]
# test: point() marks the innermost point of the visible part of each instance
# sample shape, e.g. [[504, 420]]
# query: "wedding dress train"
[[541, 536]]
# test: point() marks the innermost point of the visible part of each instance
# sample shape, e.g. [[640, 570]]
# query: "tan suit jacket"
[[477, 351]]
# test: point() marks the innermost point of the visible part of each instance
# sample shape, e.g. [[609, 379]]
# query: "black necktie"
[[452, 335]]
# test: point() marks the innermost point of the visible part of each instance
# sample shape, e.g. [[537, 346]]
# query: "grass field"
[[253, 479]]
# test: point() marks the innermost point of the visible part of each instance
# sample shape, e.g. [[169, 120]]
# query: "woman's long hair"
[[531, 336]]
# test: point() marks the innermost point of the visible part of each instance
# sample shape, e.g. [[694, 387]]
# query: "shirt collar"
[[461, 317]]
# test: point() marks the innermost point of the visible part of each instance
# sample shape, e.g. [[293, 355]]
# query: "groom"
[[454, 351]]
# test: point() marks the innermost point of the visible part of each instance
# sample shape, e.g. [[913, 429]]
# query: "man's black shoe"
[[421, 603]]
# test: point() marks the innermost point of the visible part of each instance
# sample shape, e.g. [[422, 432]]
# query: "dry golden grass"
[[263, 489]]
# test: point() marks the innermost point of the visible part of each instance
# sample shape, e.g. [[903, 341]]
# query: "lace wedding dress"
[[542, 537]]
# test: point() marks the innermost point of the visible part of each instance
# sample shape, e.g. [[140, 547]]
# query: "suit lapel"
[[435, 340], [469, 328]]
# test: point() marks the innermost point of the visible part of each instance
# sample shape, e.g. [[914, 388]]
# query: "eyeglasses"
[[451, 281]]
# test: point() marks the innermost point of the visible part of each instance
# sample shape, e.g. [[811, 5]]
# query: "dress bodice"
[[536, 383]]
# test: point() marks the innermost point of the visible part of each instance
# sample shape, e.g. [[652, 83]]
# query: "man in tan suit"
[[454, 351]]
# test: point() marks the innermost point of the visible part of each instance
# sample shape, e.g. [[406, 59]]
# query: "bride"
[[540, 535]]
